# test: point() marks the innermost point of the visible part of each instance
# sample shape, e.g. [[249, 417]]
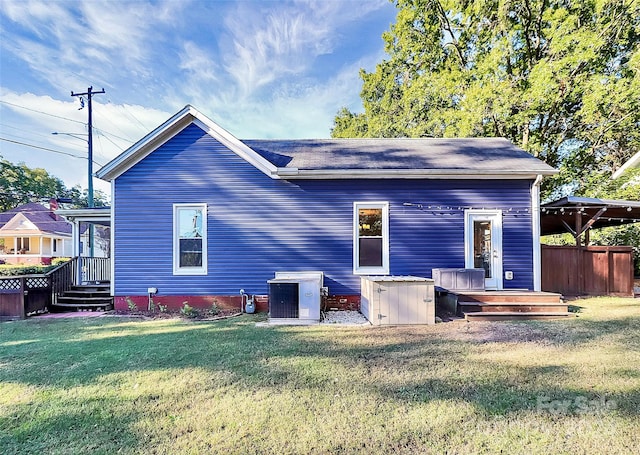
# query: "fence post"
[[23, 291]]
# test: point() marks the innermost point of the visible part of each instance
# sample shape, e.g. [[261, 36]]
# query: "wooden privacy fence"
[[23, 295], [590, 270]]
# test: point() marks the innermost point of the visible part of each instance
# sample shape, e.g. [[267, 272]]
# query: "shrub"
[[131, 304], [59, 261], [17, 270], [189, 311]]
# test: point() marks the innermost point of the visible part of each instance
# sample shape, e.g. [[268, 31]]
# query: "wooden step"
[[61, 307], [516, 315], [75, 299], [514, 307], [509, 297], [87, 294]]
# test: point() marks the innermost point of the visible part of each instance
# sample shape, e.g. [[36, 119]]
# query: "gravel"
[[344, 318]]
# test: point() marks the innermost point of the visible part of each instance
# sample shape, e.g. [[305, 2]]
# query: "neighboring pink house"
[[33, 234]]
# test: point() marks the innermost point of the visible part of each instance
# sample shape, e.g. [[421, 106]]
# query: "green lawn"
[[114, 385]]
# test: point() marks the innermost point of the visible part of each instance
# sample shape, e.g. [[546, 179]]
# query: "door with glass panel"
[[483, 245]]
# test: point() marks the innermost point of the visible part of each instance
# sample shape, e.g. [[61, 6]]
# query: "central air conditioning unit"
[[295, 296]]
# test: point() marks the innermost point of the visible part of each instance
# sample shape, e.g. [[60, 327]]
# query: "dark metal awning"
[[577, 215]]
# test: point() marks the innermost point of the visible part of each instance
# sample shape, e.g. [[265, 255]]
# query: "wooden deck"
[[511, 305]]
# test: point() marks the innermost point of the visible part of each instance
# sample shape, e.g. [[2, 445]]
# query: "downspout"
[[535, 220]]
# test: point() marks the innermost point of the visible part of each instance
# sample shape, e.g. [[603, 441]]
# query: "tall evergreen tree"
[[560, 78]]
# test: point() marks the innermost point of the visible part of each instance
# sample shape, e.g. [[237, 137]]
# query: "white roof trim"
[[168, 130], [632, 162], [292, 173], [85, 214]]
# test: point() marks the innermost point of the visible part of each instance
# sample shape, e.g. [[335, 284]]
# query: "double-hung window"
[[190, 239], [371, 238]]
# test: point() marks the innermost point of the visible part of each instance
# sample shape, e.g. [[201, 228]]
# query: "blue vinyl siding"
[[258, 225]]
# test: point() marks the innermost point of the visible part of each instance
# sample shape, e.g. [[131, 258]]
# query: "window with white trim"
[[190, 239], [371, 238]]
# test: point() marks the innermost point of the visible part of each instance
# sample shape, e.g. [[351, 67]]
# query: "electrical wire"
[[41, 112], [47, 149]]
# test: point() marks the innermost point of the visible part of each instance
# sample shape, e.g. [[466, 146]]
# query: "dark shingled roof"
[[41, 216], [472, 154]]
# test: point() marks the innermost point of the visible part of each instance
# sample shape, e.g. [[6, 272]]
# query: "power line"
[[65, 118], [41, 112], [45, 149]]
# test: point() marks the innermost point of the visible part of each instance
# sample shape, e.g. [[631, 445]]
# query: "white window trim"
[[384, 270], [177, 270]]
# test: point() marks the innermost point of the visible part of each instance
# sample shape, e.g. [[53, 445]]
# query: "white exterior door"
[[483, 245]]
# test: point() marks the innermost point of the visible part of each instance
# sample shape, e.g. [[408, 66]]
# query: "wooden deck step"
[[510, 305], [93, 296], [515, 307], [516, 316], [508, 297], [81, 306]]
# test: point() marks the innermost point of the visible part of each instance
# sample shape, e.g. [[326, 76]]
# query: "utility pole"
[[89, 93]]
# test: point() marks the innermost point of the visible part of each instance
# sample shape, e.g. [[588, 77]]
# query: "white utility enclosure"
[[296, 296], [397, 300]]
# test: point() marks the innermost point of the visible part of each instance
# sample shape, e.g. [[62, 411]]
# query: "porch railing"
[[96, 269], [23, 295], [62, 278]]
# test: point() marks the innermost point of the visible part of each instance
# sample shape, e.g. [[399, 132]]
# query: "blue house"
[[200, 214]]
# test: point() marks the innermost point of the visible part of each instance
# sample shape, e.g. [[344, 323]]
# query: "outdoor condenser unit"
[[295, 295]]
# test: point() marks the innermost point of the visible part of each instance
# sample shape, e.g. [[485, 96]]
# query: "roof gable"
[[19, 223], [349, 158], [36, 215], [171, 128]]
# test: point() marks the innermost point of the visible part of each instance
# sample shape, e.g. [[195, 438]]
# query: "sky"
[[260, 69]]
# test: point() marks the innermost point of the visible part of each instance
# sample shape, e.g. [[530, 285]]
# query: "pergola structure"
[[578, 215]]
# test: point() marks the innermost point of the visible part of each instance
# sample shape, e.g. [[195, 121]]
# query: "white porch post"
[[75, 239], [41, 245]]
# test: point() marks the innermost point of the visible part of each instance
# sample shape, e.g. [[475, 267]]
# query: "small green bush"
[[131, 305], [189, 311]]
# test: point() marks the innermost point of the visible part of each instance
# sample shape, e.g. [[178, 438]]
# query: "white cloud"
[[266, 44], [28, 124], [259, 69]]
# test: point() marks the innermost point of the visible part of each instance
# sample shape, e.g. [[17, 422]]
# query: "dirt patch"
[[507, 332]]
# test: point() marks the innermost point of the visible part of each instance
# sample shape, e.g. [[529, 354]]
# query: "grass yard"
[[117, 385]]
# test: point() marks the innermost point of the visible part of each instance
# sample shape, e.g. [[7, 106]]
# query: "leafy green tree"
[[20, 184], [80, 197], [560, 79]]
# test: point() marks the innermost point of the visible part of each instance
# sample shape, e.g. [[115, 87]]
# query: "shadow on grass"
[[408, 365]]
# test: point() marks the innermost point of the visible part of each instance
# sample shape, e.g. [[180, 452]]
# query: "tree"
[[20, 184], [561, 79]]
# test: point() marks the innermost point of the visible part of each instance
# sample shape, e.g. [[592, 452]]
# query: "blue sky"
[[260, 69]]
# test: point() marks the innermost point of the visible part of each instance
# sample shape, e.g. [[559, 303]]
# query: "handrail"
[[62, 278]]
